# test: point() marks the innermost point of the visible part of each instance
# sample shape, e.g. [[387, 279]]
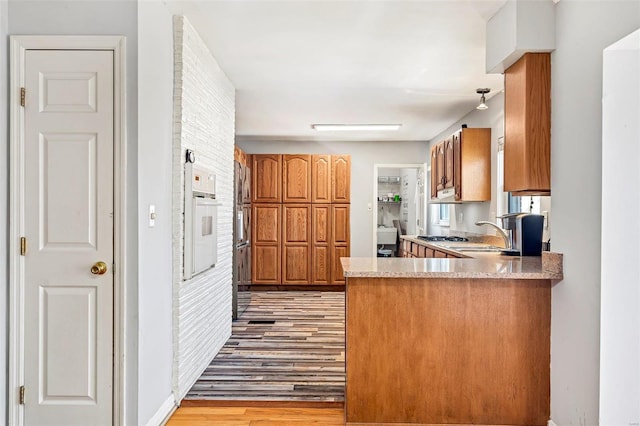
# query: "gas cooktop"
[[441, 238]]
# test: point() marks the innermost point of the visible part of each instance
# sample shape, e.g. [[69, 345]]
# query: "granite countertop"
[[476, 265]]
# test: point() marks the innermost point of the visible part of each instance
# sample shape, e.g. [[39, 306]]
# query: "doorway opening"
[[399, 203]]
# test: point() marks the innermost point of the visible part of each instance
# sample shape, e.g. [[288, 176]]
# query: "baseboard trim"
[[165, 411], [271, 404]]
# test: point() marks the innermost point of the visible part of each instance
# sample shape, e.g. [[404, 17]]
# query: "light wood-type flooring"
[[256, 416], [298, 357]]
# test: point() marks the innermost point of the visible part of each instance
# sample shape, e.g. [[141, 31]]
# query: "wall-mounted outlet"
[[460, 217], [545, 213]]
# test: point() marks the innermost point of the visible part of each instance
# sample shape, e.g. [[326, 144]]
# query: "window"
[[443, 214]]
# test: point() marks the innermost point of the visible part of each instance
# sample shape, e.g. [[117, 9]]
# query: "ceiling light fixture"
[[482, 92], [355, 127]]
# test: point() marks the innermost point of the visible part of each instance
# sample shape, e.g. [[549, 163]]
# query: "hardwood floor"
[[298, 357], [256, 416]]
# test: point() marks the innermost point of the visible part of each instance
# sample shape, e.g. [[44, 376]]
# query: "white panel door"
[[68, 190]]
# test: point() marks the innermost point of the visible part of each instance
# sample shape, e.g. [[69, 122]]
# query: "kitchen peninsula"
[[449, 340]]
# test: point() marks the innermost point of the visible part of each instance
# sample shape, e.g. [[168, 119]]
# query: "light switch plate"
[[369, 207], [152, 215]]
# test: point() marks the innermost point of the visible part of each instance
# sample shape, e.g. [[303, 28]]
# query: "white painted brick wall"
[[204, 121]]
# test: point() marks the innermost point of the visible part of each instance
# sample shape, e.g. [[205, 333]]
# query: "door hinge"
[[23, 246], [23, 94], [21, 395]]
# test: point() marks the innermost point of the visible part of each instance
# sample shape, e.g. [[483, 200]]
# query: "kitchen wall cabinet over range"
[[461, 167], [527, 125], [312, 231]]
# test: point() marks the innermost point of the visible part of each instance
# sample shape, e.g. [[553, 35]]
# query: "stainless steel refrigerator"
[[242, 240]]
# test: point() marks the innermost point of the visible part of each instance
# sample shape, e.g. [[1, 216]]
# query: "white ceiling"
[[296, 63]]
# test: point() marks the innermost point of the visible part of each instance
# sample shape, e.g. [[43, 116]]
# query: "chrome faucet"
[[503, 234]]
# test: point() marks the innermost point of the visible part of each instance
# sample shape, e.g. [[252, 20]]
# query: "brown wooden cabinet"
[[527, 119], [266, 243], [300, 218], [413, 249], [296, 243], [434, 171], [448, 163], [337, 274], [321, 244], [296, 178], [321, 179], [462, 163], [267, 178], [340, 178], [340, 240]]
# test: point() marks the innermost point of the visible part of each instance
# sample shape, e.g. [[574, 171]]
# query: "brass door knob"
[[99, 268]]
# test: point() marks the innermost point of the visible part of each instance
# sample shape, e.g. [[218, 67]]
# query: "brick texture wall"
[[204, 121]]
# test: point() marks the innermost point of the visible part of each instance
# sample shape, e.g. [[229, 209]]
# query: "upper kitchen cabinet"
[[321, 179], [461, 167], [434, 171], [267, 178], [527, 119], [340, 178], [296, 178]]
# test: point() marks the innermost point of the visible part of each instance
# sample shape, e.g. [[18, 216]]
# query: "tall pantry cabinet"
[[300, 218]]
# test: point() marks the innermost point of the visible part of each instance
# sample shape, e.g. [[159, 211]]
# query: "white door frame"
[[376, 168], [19, 46]]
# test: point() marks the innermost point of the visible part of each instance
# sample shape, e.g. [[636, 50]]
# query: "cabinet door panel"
[[337, 274], [266, 223], [321, 224], [296, 262], [266, 264], [321, 265], [448, 163], [321, 179], [340, 224], [296, 178], [440, 165], [340, 178], [434, 171], [457, 165], [267, 178], [296, 223]]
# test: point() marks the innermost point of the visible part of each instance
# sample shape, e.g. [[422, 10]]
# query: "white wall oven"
[[201, 211]]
